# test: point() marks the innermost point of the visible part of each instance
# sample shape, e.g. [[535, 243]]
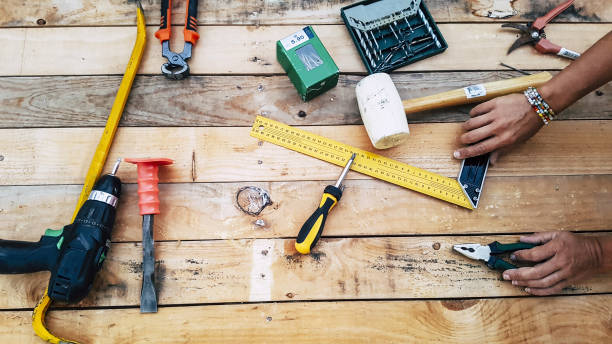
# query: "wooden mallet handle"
[[459, 96]]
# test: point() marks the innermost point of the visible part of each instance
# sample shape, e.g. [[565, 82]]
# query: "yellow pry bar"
[[98, 161], [368, 163]]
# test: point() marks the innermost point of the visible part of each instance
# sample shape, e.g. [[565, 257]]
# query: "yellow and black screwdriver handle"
[[313, 227]]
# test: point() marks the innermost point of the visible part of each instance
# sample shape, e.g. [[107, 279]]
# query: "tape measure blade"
[[367, 163]]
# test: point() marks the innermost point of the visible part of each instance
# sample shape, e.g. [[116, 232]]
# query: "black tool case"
[[392, 33]]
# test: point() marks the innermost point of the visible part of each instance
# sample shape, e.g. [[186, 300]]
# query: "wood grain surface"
[[39, 156], [190, 272], [516, 320], [60, 101], [253, 12], [227, 270], [197, 211], [63, 51]]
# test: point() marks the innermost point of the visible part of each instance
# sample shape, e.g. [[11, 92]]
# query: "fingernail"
[[506, 277], [528, 290], [514, 282], [457, 155], [513, 257]]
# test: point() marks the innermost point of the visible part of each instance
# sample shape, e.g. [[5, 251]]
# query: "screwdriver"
[[313, 227]]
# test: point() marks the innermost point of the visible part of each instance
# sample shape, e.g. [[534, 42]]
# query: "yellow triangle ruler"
[[368, 163]]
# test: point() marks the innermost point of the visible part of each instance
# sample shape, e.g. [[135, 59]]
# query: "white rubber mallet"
[[384, 113]]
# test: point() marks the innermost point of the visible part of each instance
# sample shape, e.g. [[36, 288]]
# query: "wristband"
[[539, 105]]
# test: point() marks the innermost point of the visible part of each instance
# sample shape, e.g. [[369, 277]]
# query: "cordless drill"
[[75, 253]]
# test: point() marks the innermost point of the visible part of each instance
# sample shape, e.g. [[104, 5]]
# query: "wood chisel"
[[99, 159], [313, 227], [368, 163], [148, 203]]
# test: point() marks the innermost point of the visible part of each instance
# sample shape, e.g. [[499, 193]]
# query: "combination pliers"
[[486, 253]]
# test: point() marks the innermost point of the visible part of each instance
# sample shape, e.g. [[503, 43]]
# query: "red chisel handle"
[[540, 22], [165, 22], [190, 32], [148, 200]]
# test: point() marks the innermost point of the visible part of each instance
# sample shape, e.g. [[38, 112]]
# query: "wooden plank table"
[[384, 271]]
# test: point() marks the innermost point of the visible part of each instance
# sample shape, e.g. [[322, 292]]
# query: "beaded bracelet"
[[539, 105]]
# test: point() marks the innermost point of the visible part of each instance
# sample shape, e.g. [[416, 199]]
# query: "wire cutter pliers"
[[533, 33], [486, 253], [177, 67]]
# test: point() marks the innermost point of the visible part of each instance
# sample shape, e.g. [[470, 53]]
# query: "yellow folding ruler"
[[368, 163]]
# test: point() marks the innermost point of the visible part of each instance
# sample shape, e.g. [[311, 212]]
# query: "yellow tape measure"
[[368, 163]]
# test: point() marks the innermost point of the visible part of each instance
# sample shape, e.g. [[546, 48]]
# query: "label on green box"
[[307, 63], [294, 40]]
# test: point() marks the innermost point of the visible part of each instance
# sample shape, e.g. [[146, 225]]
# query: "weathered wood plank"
[[272, 270], [267, 12], [61, 51], [61, 156], [536, 320], [85, 101], [210, 211]]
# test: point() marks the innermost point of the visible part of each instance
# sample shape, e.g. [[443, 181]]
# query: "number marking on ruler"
[[368, 163]]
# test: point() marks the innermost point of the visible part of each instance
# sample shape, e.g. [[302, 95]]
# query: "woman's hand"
[[562, 259], [496, 125]]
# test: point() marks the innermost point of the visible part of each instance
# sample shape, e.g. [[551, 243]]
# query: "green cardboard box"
[[307, 63]]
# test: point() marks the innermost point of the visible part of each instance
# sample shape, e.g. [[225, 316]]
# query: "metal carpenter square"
[[472, 176], [368, 163]]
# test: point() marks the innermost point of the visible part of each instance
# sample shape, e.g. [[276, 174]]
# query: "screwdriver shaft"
[[347, 167]]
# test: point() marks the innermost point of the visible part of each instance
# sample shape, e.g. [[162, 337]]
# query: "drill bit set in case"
[[392, 33]]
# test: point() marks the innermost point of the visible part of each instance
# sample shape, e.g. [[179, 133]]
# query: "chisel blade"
[[148, 296]]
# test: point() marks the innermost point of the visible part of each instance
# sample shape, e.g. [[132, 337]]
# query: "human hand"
[[497, 125], [563, 258]]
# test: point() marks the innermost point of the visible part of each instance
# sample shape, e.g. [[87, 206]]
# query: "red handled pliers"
[[177, 67], [533, 33]]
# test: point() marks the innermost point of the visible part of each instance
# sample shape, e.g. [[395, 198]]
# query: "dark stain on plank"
[[297, 259], [293, 260], [133, 266], [317, 256], [586, 13], [160, 276], [458, 305]]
